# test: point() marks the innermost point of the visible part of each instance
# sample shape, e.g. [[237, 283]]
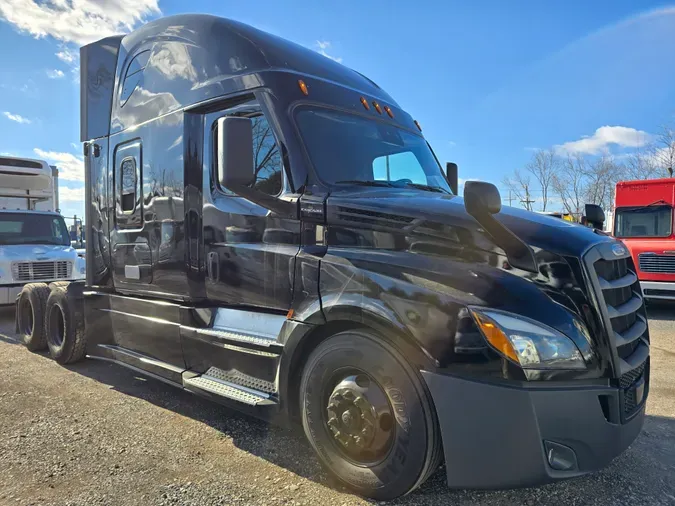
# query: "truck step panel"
[[229, 390], [241, 379]]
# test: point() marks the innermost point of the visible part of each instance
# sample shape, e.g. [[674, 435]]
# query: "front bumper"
[[658, 289], [8, 294], [500, 437]]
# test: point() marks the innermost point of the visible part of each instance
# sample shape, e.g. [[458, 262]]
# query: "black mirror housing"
[[235, 152], [452, 175], [481, 197], [594, 215]]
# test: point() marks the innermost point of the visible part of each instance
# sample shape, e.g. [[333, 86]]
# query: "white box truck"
[[34, 240]]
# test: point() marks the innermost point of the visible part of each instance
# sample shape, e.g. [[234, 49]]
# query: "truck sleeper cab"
[[269, 229]]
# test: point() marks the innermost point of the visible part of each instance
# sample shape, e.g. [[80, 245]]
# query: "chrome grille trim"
[[654, 262], [41, 271]]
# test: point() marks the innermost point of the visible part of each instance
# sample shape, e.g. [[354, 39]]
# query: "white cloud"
[[67, 56], [452, 144], [67, 194], [55, 74], [78, 21], [17, 118], [71, 167], [322, 46], [603, 138]]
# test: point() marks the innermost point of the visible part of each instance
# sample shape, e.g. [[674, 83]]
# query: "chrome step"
[[227, 389]]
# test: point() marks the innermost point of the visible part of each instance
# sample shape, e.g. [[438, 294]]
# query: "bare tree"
[[642, 164], [518, 185], [569, 183], [602, 176], [543, 167], [664, 150]]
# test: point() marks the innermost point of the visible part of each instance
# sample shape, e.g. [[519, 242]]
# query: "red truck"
[[643, 220]]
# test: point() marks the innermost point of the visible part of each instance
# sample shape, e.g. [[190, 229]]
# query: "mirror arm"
[[519, 254], [272, 203]]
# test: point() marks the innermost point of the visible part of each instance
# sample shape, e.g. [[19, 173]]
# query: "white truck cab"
[[34, 240]]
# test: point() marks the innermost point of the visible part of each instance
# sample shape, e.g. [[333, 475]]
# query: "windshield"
[[346, 148], [33, 228], [649, 221]]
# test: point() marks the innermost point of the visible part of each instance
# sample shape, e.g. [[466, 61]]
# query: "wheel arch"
[[301, 343]]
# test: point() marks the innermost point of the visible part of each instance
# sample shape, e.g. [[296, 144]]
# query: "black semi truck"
[[269, 229]]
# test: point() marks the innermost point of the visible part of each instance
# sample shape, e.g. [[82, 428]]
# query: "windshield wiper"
[[366, 183], [41, 241], [427, 187]]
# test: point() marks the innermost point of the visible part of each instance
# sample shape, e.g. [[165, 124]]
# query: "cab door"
[[249, 249]]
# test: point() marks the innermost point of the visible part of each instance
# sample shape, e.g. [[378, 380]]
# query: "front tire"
[[368, 415]]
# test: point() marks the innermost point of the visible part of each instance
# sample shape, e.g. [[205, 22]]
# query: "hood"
[[35, 252], [426, 213]]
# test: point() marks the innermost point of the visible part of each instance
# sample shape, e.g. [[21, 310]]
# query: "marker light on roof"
[[303, 87], [365, 104], [387, 109], [377, 107]]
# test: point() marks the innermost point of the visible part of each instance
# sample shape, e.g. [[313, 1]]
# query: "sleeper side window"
[[134, 75]]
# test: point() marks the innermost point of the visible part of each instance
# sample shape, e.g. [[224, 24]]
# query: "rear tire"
[[64, 327], [337, 429], [30, 315]]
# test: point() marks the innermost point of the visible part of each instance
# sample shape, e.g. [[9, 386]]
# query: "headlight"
[[526, 342]]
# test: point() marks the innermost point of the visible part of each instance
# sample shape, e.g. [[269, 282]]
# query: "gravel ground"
[[97, 434]]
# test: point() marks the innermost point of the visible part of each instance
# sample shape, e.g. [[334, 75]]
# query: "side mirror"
[[481, 198], [595, 215], [482, 201], [451, 174], [235, 152]]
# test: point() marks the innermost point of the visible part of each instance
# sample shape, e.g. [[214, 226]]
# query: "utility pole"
[[510, 199], [527, 200]]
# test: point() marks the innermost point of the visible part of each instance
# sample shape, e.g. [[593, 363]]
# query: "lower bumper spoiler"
[[501, 437]]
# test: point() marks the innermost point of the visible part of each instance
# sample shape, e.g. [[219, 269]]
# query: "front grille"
[[631, 377], [652, 262], [40, 271], [620, 293]]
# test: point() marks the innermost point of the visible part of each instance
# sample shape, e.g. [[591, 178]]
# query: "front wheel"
[[368, 416]]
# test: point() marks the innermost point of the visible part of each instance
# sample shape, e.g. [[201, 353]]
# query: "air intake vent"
[[373, 217]]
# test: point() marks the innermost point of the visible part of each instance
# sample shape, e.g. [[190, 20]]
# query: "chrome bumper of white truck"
[[658, 289], [8, 294]]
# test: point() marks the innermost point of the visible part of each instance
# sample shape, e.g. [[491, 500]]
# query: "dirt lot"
[[96, 433]]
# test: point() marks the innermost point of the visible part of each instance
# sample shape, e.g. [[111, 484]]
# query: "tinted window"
[[33, 228], [134, 75], [347, 147], [649, 221], [397, 167], [266, 154], [266, 157]]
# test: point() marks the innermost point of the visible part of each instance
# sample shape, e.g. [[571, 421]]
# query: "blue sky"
[[489, 81]]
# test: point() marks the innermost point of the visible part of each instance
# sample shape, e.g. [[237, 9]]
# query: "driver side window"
[[397, 166], [266, 153]]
